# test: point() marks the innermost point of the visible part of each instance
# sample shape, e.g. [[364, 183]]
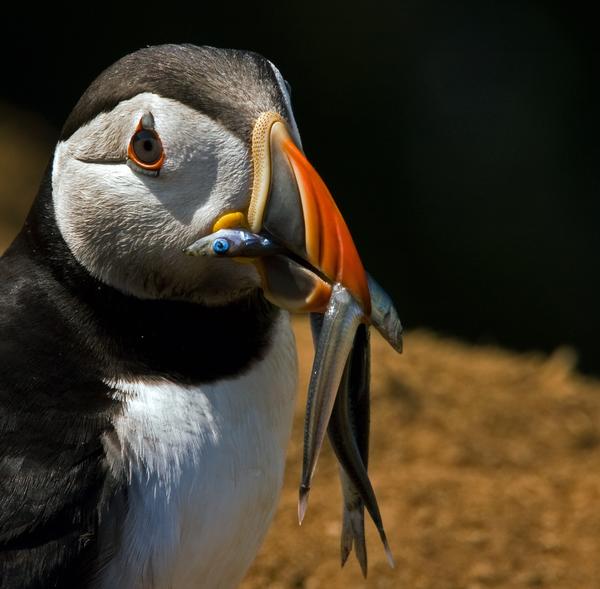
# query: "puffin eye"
[[145, 148]]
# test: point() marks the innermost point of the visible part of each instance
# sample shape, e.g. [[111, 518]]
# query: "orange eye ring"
[[145, 148]]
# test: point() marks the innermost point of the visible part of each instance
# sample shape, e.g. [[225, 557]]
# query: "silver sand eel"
[[339, 396]]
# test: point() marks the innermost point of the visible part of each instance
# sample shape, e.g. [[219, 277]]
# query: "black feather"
[[63, 336]]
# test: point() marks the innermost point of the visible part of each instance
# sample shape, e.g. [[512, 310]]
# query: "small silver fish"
[[233, 243], [384, 316], [241, 243], [348, 433], [338, 397]]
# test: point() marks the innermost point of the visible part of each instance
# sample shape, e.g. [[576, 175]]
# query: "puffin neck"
[[142, 338]]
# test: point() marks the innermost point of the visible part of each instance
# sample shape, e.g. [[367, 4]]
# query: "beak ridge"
[[292, 203]]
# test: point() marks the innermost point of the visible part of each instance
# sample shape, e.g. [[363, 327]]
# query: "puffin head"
[[175, 141]]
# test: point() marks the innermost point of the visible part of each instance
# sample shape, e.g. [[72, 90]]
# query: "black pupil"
[[147, 146]]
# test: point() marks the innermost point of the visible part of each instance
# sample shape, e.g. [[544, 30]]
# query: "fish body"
[[241, 243], [233, 243], [384, 316], [339, 391], [348, 432]]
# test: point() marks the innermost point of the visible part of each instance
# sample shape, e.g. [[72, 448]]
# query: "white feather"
[[205, 466], [128, 229]]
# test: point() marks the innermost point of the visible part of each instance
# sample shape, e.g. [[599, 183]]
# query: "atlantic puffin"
[[146, 396]]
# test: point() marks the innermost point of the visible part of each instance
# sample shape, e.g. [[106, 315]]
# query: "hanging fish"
[[294, 234], [338, 399]]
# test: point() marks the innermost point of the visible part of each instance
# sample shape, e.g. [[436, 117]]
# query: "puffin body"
[[146, 397], [206, 463]]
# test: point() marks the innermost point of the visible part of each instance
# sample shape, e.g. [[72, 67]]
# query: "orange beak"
[[291, 203]]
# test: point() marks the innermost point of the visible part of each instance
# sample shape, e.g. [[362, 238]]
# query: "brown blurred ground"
[[486, 463], [487, 469], [25, 147]]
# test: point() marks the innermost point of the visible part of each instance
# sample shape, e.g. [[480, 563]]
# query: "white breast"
[[205, 466]]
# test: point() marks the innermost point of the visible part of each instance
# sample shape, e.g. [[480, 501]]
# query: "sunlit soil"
[[486, 465]]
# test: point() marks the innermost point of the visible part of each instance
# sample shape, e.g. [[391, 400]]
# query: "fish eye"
[[220, 246], [145, 147]]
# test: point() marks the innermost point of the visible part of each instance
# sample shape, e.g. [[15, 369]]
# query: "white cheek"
[[94, 202], [203, 180], [130, 229]]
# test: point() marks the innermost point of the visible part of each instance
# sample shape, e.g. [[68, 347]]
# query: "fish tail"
[[347, 537], [386, 546], [360, 544], [353, 533]]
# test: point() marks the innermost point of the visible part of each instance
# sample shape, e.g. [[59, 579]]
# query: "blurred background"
[[460, 141]]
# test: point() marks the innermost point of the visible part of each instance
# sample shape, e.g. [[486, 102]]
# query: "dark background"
[[460, 140]]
